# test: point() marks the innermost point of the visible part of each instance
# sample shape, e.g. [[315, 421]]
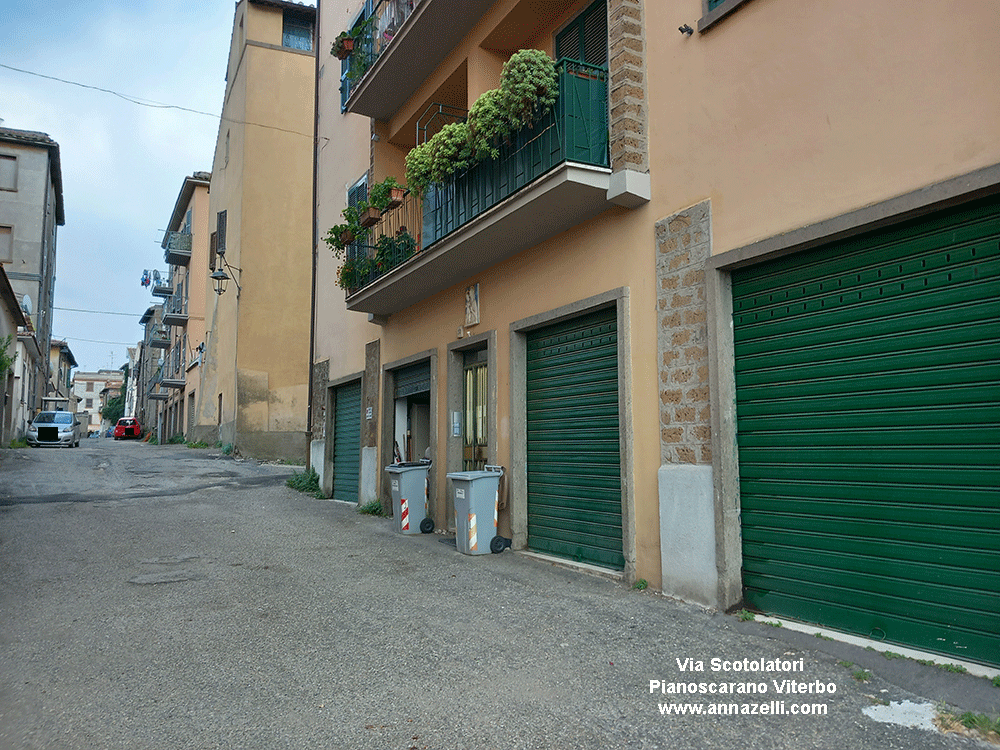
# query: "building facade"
[[11, 320], [151, 394], [255, 367], [31, 209], [186, 252], [703, 317]]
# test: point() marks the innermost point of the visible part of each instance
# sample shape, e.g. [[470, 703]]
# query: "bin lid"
[[469, 476], [407, 466]]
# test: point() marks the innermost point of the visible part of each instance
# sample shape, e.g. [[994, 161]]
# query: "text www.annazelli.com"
[[770, 708]]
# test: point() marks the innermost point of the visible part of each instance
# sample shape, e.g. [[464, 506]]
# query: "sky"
[[123, 164]]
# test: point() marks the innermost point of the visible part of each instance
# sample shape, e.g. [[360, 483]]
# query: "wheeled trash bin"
[[476, 495], [409, 497]]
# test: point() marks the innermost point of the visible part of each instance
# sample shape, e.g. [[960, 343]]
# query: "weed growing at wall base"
[[306, 481]]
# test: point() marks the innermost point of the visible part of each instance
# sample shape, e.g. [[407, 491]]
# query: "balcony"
[[403, 46], [174, 382], [175, 312], [547, 179], [177, 248], [159, 339], [153, 390], [163, 287]]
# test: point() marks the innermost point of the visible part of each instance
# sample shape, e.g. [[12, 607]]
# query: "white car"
[[60, 428]]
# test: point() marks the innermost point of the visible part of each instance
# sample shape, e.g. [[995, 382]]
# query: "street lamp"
[[220, 277]]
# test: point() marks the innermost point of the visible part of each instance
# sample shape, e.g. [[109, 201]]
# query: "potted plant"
[[368, 215], [338, 237], [387, 194], [343, 45]]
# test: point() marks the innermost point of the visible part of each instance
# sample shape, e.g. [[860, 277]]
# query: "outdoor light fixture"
[[219, 277], [685, 30]]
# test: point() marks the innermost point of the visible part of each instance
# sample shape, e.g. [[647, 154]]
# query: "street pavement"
[[164, 597]]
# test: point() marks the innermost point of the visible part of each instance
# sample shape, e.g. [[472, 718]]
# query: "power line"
[[92, 341], [152, 104], [99, 312]]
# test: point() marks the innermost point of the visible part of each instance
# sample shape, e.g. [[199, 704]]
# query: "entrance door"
[[868, 419], [474, 401], [347, 442], [574, 462]]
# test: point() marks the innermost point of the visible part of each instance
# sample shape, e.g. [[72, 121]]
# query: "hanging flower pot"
[[370, 216], [343, 48], [346, 237]]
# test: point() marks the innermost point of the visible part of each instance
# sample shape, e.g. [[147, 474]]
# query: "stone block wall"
[[627, 86], [683, 245], [320, 376]]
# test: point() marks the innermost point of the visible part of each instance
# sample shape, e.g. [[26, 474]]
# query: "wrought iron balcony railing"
[[177, 248]]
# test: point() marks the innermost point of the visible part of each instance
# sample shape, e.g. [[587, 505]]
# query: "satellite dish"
[[26, 304], [156, 277]]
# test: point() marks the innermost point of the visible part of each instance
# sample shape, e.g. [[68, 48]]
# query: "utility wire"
[[154, 105], [92, 341], [99, 312]]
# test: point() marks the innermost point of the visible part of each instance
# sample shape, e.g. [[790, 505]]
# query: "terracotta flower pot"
[[347, 237], [370, 217], [344, 49], [395, 198]]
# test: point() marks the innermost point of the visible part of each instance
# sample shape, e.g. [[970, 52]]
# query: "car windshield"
[[54, 417]]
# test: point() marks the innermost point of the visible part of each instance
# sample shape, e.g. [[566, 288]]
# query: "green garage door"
[[868, 418], [347, 442], [574, 468]]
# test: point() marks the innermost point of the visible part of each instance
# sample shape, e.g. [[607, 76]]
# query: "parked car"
[[54, 428], [127, 427]]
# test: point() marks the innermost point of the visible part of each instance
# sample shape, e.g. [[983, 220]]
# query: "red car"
[[127, 427]]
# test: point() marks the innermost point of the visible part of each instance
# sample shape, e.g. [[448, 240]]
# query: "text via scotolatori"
[[741, 687]]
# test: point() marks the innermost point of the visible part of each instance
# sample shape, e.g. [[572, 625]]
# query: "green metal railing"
[[575, 130], [380, 26]]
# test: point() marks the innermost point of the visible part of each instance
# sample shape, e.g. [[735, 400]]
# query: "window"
[[7, 244], [220, 233], [585, 38], [90, 387], [355, 194], [90, 403], [186, 229], [297, 33], [212, 240], [8, 172]]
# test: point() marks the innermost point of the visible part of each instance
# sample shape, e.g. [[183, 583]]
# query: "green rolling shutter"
[[585, 38], [868, 419], [347, 442], [574, 466]]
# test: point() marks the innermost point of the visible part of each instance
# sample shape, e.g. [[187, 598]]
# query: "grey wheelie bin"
[[409, 497], [476, 497]]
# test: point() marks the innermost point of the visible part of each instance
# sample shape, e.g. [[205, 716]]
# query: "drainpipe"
[[315, 239]]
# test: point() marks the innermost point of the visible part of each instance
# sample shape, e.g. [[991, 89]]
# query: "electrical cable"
[[98, 312]]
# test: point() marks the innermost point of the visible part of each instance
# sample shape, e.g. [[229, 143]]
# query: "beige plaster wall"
[[785, 114]]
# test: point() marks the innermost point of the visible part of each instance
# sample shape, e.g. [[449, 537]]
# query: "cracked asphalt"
[[162, 597]]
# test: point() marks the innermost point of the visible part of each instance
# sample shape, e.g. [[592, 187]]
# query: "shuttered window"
[[357, 193], [586, 36]]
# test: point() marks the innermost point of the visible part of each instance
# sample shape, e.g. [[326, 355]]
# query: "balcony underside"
[[163, 291], [559, 200], [159, 396], [160, 343], [173, 382], [426, 38], [175, 319]]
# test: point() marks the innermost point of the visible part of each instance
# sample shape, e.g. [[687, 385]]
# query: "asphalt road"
[[162, 597]]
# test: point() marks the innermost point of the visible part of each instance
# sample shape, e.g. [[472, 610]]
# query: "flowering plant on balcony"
[[529, 87], [339, 236], [386, 194]]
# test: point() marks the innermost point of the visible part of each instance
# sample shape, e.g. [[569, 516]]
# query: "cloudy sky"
[[123, 164]]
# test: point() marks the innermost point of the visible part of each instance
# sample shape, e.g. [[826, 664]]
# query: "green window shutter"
[[413, 379], [586, 36], [713, 4]]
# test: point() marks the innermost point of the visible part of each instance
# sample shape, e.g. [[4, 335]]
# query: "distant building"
[[61, 364], [255, 371], [31, 207], [148, 374], [88, 387], [186, 251]]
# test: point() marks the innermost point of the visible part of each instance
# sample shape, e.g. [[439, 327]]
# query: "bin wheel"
[[497, 545], [427, 526]]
